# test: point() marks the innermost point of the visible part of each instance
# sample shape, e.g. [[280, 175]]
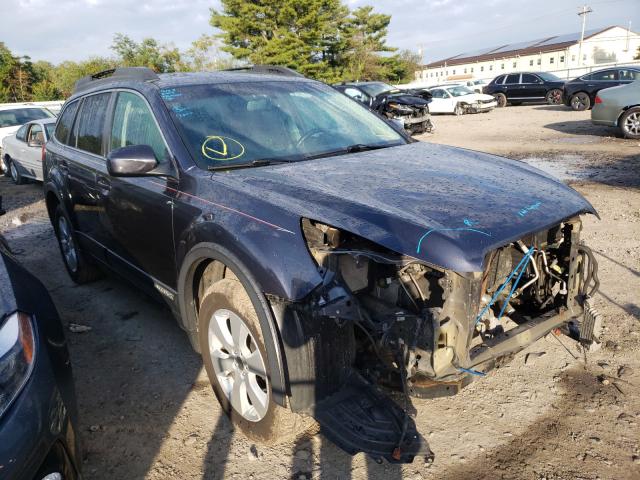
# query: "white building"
[[563, 55]]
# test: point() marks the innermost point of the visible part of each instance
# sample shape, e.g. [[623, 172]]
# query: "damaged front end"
[[416, 118], [384, 325]]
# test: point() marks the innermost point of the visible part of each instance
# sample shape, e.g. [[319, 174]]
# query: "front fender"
[[187, 287]]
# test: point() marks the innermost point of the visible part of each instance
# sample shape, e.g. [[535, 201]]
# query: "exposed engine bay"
[[426, 331]]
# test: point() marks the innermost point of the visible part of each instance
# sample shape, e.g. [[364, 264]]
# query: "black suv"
[[580, 93], [409, 109], [518, 88], [317, 258]]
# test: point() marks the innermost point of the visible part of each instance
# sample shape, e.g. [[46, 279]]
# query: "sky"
[[58, 30]]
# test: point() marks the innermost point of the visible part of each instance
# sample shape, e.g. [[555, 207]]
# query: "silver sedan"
[[619, 107], [22, 152]]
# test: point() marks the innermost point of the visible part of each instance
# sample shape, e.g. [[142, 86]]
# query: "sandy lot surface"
[[147, 410]]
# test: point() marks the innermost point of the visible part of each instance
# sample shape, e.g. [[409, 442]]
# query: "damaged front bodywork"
[[388, 326]]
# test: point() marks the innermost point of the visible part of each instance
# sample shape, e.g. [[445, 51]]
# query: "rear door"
[[512, 87], [136, 213]]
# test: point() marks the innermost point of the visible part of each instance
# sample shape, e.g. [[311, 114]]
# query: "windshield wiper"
[[261, 162], [355, 148]]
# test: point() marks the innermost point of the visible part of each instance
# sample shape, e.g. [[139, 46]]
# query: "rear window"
[[511, 79], [20, 116], [604, 75], [90, 130], [65, 123]]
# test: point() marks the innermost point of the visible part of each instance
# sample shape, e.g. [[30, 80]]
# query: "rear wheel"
[[554, 96], [630, 123], [235, 358], [79, 268], [15, 173], [580, 101], [501, 99]]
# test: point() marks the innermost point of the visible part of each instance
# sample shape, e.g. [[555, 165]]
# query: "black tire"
[[81, 271], [630, 123], [580, 101], [554, 96], [278, 424], [501, 99], [15, 173], [458, 110]]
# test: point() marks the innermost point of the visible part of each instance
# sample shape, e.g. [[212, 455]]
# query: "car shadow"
[[582, 127], [553, 108]]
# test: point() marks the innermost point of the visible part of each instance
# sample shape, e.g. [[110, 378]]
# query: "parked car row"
[[579, 93]]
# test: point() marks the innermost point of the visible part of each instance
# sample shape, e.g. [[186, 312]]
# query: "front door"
[[136, 212]]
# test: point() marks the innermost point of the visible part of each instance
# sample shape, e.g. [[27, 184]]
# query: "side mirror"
[[131, 161]]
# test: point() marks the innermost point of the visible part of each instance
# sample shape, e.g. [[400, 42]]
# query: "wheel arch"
[[624, 110], [208, 262]]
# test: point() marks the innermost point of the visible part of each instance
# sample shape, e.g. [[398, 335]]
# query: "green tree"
[[205, 55], [148, 53], [366, 32], [399, 68], [16, 76], [305, 36], [65, 75]]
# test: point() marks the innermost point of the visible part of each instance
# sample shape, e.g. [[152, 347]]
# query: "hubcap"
[[632, 123], [238, 365], [67, 245]]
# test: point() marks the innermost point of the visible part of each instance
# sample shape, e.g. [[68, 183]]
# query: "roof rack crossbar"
[[121, 73], [266, 69]]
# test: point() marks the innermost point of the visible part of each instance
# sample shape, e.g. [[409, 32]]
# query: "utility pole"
[[626, 48], [582, 13]]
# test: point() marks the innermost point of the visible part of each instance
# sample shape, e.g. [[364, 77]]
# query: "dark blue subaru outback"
[[325, 265]]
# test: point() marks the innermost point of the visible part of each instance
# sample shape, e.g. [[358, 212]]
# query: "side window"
[[629, 75], [134, 124], [36, 135], [511, 79], [528, 78], [66, 122], [90, 123], [355, 94], [605, 75], [21, 134], [438, 93]]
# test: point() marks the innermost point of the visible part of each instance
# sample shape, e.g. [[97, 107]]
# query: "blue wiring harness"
[[519, 270]]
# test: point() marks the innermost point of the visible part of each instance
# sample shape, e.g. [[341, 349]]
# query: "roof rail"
[[266, 69], [123, 73]]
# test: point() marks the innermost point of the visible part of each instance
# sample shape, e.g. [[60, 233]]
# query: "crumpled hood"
[[406, 99], [445, 205]]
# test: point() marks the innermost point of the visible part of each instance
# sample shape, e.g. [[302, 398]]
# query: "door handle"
[[104, 183]]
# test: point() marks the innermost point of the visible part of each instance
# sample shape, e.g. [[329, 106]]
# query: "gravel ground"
[[147, 411]]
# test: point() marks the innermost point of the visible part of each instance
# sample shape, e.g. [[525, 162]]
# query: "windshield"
[[20, 116], [460, 91], [548, 77], [243, 123], [376, 88]]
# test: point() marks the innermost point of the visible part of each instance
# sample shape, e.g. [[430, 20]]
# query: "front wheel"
[[15, 174], [458, 110], [630, 123], [235, 358], [580, 101], [554, 96], [501, 100]]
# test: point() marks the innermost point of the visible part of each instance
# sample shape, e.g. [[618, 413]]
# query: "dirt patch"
[[147, 411]]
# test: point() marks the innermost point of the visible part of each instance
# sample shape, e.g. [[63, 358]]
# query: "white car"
[[458, 99], [476, 85], [22, 152], [12, 116]]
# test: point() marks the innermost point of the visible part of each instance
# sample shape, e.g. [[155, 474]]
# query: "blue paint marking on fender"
[[460, 229]]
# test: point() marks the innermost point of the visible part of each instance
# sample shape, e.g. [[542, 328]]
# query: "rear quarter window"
[[66, 122]]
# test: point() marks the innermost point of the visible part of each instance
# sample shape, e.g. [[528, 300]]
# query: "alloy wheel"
[[555, 97], [238, 365], [67, 244], [580, 101], [632, 124], [14, 172]]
